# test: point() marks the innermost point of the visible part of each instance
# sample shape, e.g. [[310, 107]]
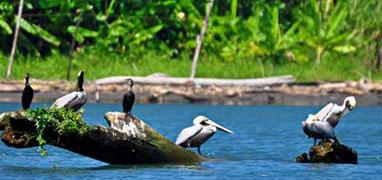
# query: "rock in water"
[[328, 152], [303, 158]]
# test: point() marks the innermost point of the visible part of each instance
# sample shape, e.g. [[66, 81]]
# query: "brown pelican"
[[74, 100], [129, 97], [333, 112], [199, 133], [316, 129], [27, 96]]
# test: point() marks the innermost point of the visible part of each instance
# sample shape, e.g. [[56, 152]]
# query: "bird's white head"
[[200, 120], [204, 121], [350, 102]]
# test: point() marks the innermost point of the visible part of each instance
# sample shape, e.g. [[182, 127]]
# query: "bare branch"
[[14, 44], [199, 39]]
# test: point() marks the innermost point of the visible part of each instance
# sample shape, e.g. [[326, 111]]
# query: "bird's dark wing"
[[77, 102], [27, 97], [65, 100], [324, 128], [323, 113], [128, 101]]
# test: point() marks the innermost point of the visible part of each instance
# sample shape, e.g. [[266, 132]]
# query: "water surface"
[[266, 141]]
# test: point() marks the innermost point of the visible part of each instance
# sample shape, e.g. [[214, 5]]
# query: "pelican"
[[128, 98], [27, 96], [74, 100], [199, 133], [316, 129], [333, 112]]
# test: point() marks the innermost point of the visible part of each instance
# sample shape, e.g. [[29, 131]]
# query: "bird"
[[74, 100], [129, 97], [199, 133], [27, 96], [333, 112], [316, 129]]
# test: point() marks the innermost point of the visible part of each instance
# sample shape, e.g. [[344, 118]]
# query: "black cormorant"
[[27, 96], [128, 98]]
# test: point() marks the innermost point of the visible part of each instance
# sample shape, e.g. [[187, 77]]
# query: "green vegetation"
[[62, 121], [99, 65], [313, 39]]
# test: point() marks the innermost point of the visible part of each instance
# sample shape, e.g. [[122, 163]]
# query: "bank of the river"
[[283, 94]]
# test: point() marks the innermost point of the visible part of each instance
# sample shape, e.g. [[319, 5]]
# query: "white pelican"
[[316, 129], [74, 100], [128, 98], [333, 112], [199, 133], [27, 96]]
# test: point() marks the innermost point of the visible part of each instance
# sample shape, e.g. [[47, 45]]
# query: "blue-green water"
[[267, 139]]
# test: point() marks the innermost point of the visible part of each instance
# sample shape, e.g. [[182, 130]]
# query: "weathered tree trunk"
[[378, 52], [128, 141]]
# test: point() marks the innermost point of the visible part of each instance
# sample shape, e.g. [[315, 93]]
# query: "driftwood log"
[[154, 80], [128, 140]]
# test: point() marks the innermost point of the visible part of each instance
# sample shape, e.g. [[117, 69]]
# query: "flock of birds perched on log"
[[318, 126]]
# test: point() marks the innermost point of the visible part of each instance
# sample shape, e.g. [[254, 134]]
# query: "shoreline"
[[317, 93]]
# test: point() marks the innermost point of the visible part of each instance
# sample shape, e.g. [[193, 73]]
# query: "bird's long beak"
[[347, 110], [219, 127]]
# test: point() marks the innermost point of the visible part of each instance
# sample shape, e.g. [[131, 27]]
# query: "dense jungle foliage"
[[271, 36]]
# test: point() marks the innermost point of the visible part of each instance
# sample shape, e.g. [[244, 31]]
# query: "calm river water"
[[266, 141]]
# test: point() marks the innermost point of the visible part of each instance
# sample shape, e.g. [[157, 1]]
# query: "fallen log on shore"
[[128, 140], [154, 80]]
